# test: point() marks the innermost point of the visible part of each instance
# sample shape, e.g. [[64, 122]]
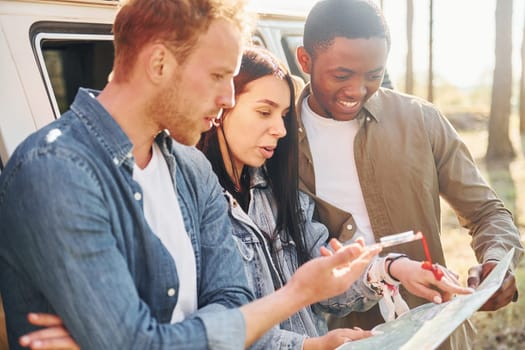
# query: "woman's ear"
[[304, 59]]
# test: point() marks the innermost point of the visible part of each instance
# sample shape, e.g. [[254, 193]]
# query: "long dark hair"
[[282, 169]]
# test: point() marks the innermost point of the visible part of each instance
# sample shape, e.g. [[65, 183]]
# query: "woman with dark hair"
[[253, 149]]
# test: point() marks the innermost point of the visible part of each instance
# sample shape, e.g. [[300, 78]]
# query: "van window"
[[290, 44], [73, 55]]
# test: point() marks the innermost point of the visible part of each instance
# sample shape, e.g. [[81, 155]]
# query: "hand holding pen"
[[422, 278]]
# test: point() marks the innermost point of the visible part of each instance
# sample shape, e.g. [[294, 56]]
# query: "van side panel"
[[16, 120]]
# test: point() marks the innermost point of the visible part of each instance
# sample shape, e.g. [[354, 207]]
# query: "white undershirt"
[[162, 212], [336, 181]]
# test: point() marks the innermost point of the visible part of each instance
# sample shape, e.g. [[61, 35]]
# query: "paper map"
[[428, 325]]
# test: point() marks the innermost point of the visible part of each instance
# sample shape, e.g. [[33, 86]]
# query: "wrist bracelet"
[[389, 261]]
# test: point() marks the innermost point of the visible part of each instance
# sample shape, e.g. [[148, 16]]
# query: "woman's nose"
[[278, 129]]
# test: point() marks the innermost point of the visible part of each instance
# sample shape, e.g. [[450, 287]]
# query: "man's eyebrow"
[[348, 70], [377, 70]]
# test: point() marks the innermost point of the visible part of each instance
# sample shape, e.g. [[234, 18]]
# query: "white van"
[[50, 48]]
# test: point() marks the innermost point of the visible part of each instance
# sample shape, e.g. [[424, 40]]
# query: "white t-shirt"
[[162, 212], [336, 181]]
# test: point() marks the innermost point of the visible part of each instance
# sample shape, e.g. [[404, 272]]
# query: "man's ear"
[[304, 59], [159, 62]]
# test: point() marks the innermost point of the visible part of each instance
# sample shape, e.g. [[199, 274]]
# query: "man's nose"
[[226, 97], [356, 89]]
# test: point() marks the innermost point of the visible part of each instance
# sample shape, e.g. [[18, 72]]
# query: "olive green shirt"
[[407, 155]]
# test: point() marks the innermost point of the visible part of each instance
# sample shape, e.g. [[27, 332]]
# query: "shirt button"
[[129, 155], [137, 196], [300, 129], [349, 227], [171, 292], [115, 161], [367, 119]]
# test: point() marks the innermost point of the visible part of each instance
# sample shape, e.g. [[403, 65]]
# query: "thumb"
[[474, 276]]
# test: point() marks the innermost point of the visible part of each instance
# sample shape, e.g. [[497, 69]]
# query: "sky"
[[463, 37]]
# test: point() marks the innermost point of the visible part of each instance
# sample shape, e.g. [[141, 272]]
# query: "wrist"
[[310, 344], [389, 261]]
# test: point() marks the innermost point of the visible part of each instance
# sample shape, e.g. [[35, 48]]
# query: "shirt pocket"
[[245, 246], [255, 265]]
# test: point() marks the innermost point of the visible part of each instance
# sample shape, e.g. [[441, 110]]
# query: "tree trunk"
[[499, 145], [409, 79], [430, 91], [522, 85]]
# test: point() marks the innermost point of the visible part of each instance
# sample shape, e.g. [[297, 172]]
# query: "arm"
[[423, 283], [316, 280], [477, 205]]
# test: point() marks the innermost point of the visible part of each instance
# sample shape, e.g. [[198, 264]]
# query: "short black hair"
[[352, 19]]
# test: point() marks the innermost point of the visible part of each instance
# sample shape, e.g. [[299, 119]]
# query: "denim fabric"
[[74, 241], [254, 247]]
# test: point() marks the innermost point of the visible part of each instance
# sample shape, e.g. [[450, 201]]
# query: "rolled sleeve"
[[225, 328]]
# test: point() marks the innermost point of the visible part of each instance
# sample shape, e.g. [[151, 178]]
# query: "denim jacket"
[[74, 241], [266, 272]]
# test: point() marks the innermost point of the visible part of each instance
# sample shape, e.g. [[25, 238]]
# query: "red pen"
[[427, 265]]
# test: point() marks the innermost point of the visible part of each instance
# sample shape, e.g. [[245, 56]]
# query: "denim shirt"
[[267, 271], [75, 241]]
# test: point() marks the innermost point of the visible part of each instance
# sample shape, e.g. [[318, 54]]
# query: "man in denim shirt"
[[80, 231]]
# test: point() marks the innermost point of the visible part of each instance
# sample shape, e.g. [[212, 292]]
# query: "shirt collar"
[[103, 126], [373, 106], [257, 177]]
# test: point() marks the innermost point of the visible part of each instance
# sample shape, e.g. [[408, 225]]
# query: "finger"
[[454, 277], [65, 343], [45, 320], [487, 268], [474, 276], [366, 255], [343, 255], [359, 334], [360, 241], [451, 287], [325, 252], [427, 293], [335, 244], [42, 334], [363, 260]]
